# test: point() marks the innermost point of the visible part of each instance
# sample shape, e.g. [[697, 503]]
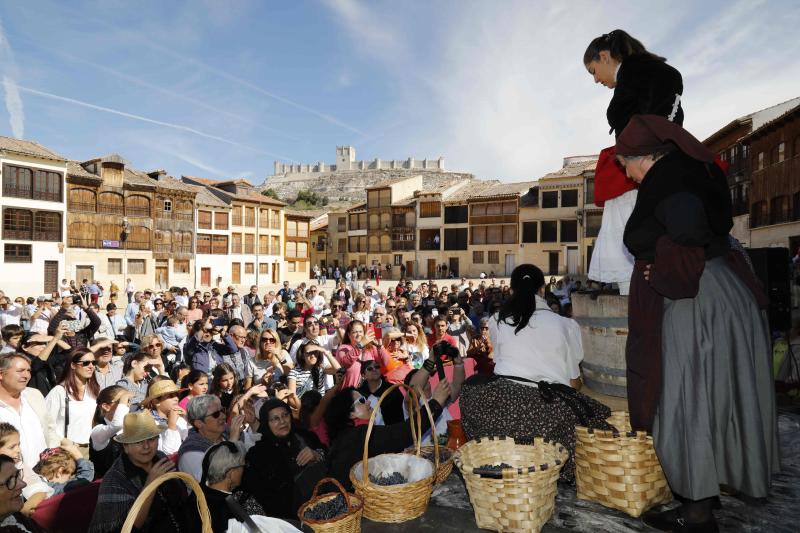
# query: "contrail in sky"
[[16, 114], [179, 127]]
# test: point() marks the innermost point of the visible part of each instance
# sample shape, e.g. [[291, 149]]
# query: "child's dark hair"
[[619, 44], [107, 395], [218, 373], [6, 430], [337, 417]]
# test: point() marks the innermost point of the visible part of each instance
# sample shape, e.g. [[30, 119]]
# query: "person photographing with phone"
[[359, 346]]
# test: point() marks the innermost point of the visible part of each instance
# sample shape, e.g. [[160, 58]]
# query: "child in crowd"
[[36, 489], [172, 333], [64, 468]]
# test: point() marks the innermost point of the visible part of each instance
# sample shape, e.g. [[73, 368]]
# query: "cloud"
[[132, 116], [13, 100], [500, 91]]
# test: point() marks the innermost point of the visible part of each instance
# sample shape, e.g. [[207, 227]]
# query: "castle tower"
[[345, 157]]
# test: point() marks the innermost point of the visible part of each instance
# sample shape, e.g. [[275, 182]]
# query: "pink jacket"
[[350, 357]]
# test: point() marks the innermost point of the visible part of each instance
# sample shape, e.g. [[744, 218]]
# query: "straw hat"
[[159, 389], [137, 427]]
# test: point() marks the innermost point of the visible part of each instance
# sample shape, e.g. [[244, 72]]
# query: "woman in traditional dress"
[[698, 349], [534, 390], [643, 83]]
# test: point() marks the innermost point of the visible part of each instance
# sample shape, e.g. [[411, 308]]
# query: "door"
[[162, 276], [431, 268], [83, 272], [589, 251], [573, 260], [552, 261], [509, 264], [409, 269], [205, 277], [236, 273], [453, 266], [276, 270], [50, 277]]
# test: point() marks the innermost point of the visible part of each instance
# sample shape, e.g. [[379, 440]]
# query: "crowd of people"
[[259, 395]]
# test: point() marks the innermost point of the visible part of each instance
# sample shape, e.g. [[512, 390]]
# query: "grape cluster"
[[495, 468], [333, 508], [395, 478]]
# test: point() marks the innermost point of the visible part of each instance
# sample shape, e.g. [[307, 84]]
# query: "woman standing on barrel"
[[698, 349], [643, 83]]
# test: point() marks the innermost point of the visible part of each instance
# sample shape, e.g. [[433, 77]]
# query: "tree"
[[272, 193]]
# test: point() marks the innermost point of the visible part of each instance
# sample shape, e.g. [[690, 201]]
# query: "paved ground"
[[450, 510]]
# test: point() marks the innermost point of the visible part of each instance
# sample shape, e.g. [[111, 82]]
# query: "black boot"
[[674, 520]]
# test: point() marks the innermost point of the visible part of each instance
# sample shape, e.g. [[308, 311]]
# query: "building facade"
[[34, 219]]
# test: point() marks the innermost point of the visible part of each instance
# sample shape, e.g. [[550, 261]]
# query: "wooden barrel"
[[604, 329]]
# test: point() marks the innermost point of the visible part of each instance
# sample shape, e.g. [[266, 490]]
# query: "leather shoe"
[[673, 520]]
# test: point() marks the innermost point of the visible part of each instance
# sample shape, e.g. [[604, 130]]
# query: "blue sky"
[[222, 89]]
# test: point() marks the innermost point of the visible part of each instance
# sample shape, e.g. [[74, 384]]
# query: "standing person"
[[251, 298], [698, 371], [82, 323], [130, 289], [643, 83]]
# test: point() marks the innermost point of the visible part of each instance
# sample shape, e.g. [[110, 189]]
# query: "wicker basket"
[[519, 499], [349, 522], [202, 506], [445, 467], [396, 503], [619, 469]]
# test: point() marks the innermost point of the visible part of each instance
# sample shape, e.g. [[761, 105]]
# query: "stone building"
[[34, 222], [727, 143]]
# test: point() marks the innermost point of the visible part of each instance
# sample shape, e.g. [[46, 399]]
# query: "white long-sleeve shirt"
[[103, 433], [81, 413]]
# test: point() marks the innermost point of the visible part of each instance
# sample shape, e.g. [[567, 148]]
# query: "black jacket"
[[645, 85], [274, 479], [348, 446]]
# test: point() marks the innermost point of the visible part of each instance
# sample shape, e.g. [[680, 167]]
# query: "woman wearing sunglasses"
[[73, 401], [271, 357]]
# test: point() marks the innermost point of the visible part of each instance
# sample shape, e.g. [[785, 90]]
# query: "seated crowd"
[[262, 398]]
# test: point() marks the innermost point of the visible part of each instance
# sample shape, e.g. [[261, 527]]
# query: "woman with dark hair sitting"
[[534, 392], [347, 420], [285, 465]]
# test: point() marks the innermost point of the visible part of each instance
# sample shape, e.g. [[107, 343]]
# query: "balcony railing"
[[403, 245], [82, 207], [249, 249], [22, 234], [112, 209], [204, 225], [276, 224], [53, 235], [137, 245], [237, 221], [250, 222], [76, 242], [25, 192], [493, 219]]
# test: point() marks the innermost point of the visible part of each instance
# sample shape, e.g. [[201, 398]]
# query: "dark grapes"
[[495, 468], [395, 478], [333, 508]]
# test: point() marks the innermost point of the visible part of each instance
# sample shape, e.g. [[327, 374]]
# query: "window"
[[82, 200], [136, 266], [167, 206], [291, 249], [204, 219], [530, 232], [237, 215], [236, 243], [263, 244], [17, 223], [180, 266], [250, 217], [137, 205], [477, 257], [796, 149], [342, 246], [569, 198], [549, 231], [221, 220], [341, 224], [219, 244], [758, 216], [478, 235], [593, 221], [115, 266], [263, 218], [455, 214], [249, 243], [302, 229], [18, 253], [779, 210], [203, 244], [781, 152], [478, 210], [46, 226], [398, 259], [455, 239], [430, 209], [569, 231], [275, 245], [249, 268], [291, 266], [21, 182], [291, 228], [796, 206], [263, 268], [760, 161], [111, 203], [509, 234], [549, 199], [494, 258]]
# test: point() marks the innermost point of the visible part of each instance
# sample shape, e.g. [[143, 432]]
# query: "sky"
[[223, 88]]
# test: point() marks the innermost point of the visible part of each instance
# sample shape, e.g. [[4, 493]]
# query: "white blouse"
[[81, 413], [548, 349]]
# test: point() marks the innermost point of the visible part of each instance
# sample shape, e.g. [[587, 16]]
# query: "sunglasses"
[[268, 339], [484, 327], [215, 414], [312, 323], [370, 367], [34, 343], [157, 345], [360, 400], [85, 363]]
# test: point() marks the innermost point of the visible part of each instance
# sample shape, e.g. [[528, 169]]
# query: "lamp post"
[[126, 228]]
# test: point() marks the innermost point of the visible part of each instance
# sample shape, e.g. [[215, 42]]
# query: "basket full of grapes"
[[332, 512]]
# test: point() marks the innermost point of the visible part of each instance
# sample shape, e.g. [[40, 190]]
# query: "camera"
[[444, 351]]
